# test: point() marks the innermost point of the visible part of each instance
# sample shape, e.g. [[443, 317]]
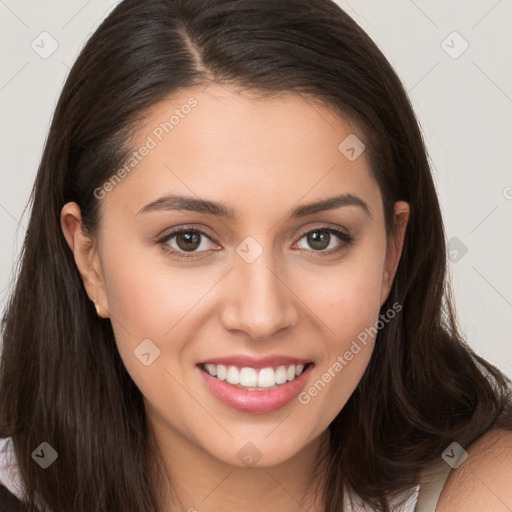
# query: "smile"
[[255, 379], [255, 390]]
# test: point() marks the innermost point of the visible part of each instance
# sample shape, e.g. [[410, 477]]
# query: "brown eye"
[[320, 239], [186, 240]]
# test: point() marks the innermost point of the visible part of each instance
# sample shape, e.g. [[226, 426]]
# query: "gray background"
[[463, 100]]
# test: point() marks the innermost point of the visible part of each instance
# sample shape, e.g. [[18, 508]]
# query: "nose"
[[259, 301]]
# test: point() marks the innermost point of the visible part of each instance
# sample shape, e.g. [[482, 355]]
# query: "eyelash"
[[346, 238]]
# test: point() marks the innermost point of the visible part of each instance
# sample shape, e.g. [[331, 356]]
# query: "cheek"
[[146, 295], [348, 297], [349, 310], [151, 299]]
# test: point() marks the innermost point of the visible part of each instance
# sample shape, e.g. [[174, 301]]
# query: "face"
[[277, 298]]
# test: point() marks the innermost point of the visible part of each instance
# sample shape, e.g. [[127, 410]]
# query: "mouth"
[[256, 390], [253, 379]]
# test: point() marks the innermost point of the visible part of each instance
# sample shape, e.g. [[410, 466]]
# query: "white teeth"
[[233, 375], [211, 369], [281, 375], [266, 378], [222, 372], [252, 378], [248, 377]]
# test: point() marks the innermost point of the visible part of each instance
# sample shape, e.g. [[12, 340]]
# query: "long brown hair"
[[62, 380]]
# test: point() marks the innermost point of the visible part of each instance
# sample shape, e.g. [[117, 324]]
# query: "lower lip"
[[255, 401]]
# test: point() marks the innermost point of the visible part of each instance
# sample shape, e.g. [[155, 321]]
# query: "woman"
[[232, 292]]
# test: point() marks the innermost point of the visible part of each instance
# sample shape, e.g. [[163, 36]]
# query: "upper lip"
[[242, 361]]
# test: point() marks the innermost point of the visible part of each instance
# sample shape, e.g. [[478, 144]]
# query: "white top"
[[9, 477]]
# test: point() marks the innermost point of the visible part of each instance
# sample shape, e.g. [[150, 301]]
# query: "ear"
[[394, 247], [86, 255]]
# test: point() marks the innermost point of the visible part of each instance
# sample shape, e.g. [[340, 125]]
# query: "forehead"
[[217, 142], [226, 117]]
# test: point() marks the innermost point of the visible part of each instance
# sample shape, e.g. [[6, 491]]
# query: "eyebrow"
[[179, 202]]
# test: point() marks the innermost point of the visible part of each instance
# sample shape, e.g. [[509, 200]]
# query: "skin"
[[482, 481], [261, 157]]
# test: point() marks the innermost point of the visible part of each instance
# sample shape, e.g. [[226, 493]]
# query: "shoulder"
[[484, 480]]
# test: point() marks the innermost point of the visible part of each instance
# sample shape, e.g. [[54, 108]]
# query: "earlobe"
[[86, 256], [394, 247]]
